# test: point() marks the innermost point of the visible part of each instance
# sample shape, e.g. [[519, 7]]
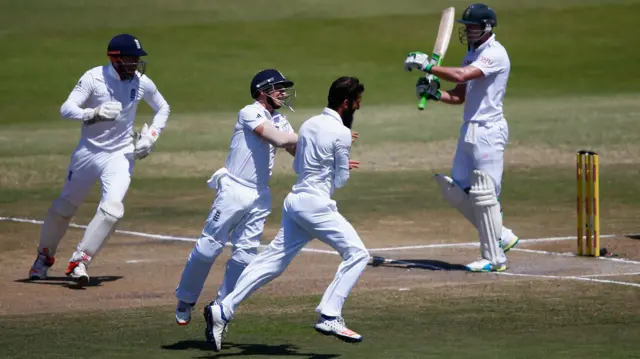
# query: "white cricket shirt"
[[102, 84], [484, 95], [322, 154], [250, 160]]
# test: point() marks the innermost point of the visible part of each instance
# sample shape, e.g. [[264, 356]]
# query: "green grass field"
[[573, 85]]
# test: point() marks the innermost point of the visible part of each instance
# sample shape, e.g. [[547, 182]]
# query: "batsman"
[[475, 182]]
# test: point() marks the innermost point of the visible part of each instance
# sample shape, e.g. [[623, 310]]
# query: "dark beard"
[[347, 118]]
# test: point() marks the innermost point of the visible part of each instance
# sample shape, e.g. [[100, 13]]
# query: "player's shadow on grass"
[[67, 282], [426, 264], [282, 350]]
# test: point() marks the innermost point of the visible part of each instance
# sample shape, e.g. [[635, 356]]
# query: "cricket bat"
[[442, 43]]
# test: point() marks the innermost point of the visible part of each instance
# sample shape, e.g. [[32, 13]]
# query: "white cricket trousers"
[[113, 169], [238, 213], [86, 167], [480, 146], [304, 217]]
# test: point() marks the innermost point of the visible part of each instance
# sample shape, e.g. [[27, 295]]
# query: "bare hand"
[[354, 164], [354, 135]]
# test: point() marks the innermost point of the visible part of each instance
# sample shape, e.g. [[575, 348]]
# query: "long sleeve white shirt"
[[251, 158], [102, 84], [322, 154]]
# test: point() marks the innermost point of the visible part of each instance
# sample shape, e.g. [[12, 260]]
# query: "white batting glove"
[[145, 141], [416, 60]]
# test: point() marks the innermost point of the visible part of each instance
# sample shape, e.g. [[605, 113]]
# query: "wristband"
[[428, 68]]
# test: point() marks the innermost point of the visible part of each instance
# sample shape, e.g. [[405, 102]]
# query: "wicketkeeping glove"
[[429, 88], [145, 141], [106, 111], [416, 60]]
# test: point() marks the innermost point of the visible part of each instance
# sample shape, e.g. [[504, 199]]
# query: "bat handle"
[[422, 103]]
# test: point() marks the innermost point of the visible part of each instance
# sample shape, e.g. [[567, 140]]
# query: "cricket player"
[[104, 101], [243, 199], [478, 164], [322, 164]]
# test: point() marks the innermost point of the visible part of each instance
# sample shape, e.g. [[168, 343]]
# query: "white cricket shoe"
[[508, 240], [216, 324], [183, 313], [78, 272], [337, 327], [484, 265], [41, 265]]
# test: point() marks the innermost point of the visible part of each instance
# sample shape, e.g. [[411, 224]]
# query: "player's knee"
[[357, 254], [113, 210], [207, 249], [244, 256], [64, 208]]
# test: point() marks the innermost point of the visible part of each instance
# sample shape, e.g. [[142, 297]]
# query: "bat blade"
[[445, 31], [444, 34]]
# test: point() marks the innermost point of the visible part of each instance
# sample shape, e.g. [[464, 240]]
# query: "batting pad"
[[101, 227], [456, 197], [486, 210], [56, 224]]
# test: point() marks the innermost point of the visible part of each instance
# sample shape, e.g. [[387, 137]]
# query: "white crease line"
[[153, 236], [569, 254], [609, 275], [585, 279], [477, 244]]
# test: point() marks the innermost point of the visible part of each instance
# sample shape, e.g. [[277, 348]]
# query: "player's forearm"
[[451, 98], [72, 111], [279, 138], [161, 117], [451, 74]]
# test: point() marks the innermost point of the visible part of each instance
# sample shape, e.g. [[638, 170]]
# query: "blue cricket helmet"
[[267, 79], [125, 45]]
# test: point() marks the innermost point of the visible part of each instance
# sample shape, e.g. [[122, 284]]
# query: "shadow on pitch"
[[67, 282], [282, 350], [426, 264]]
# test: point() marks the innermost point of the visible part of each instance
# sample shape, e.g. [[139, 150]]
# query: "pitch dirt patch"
[[135, 272]]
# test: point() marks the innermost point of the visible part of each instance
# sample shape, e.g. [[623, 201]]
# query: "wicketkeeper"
[[104, 101]]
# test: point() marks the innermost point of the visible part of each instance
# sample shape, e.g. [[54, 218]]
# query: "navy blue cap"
[[125, 45], [267, 78]]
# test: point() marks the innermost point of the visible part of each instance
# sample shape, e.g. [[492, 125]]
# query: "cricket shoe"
[[183, 312], [335, 326], [78, 272], [216, 324], [226, 327], [41, 265], [508, 240], [484, 265]]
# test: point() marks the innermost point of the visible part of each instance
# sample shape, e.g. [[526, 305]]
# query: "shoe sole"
[[339, 337], [515, 243], [208, 331], [82, 281], [182, 322], [499, 269]]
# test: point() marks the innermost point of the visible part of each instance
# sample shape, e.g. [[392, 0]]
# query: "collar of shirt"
[[332, 113], [111, 72], [485, 44]]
